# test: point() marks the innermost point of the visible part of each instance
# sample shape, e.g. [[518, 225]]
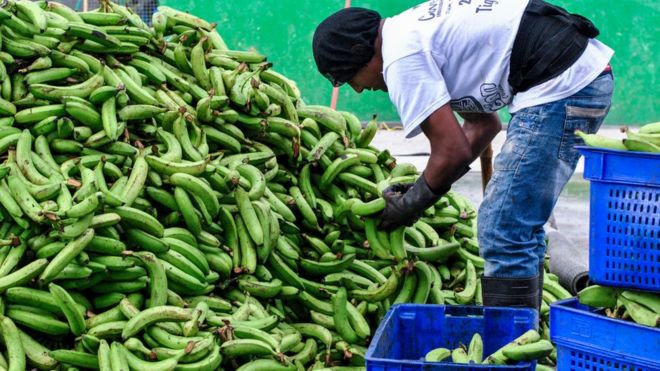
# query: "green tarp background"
[[283, 29]]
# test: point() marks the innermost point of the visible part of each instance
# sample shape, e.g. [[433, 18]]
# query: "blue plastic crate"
[[586, 339], [624, 236], [409, 331]]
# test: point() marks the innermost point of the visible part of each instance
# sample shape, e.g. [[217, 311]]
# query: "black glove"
[[400, 188], [406, 203]]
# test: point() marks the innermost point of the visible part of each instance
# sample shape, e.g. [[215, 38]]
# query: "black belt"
[[548, 42], [606, 71]]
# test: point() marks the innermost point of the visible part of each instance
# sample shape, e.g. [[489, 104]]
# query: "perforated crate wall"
[[625, 235], [624, 220], [588, 340], [575, 360]]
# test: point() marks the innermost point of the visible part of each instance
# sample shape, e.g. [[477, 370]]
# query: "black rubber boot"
[[511, 292], [541, 274]]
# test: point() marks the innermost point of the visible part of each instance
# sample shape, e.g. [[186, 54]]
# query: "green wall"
[[283, 29]]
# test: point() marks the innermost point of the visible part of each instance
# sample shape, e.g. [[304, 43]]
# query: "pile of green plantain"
[[167, 203], [646, 139], [528, 346], [642, 307]]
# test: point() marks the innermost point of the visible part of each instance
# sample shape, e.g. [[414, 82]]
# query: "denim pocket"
[[586, 119]]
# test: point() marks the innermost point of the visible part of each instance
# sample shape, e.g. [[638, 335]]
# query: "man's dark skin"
[[453, 147]]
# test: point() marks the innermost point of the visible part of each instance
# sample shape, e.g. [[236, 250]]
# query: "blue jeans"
[[537, 160]]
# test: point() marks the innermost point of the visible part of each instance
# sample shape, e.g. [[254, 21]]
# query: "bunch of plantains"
[[646, 139], [167, 203], [641, 307], [526, 347]]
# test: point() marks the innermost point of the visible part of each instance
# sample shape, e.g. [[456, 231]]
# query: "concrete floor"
[[571, 213]]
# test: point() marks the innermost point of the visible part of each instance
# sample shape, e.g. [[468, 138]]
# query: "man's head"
[[346, 49]]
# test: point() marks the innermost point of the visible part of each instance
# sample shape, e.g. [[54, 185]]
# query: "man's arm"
[[451, 151], [480, 129], [454, 148]]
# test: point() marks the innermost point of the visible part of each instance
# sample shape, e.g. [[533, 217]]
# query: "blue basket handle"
[[464, 311]]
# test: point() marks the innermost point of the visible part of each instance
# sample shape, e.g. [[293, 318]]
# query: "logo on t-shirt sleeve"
[[466, 104], [494, 96]]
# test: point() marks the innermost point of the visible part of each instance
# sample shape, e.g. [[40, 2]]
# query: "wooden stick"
[[335, 90], [486, 166], [85, 5]]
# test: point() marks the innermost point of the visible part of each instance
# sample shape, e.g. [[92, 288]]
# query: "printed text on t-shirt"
[[486, 6], [435, 10]]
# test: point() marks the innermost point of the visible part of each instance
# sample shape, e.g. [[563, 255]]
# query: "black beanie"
[[344, 43]]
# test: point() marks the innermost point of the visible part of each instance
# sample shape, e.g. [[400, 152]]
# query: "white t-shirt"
[[458, 51]]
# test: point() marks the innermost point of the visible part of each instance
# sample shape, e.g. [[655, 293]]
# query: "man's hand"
[[395, 213], [395, 189], [406, 203]]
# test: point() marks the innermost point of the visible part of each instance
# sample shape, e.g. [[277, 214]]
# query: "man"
[[474, 57]]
